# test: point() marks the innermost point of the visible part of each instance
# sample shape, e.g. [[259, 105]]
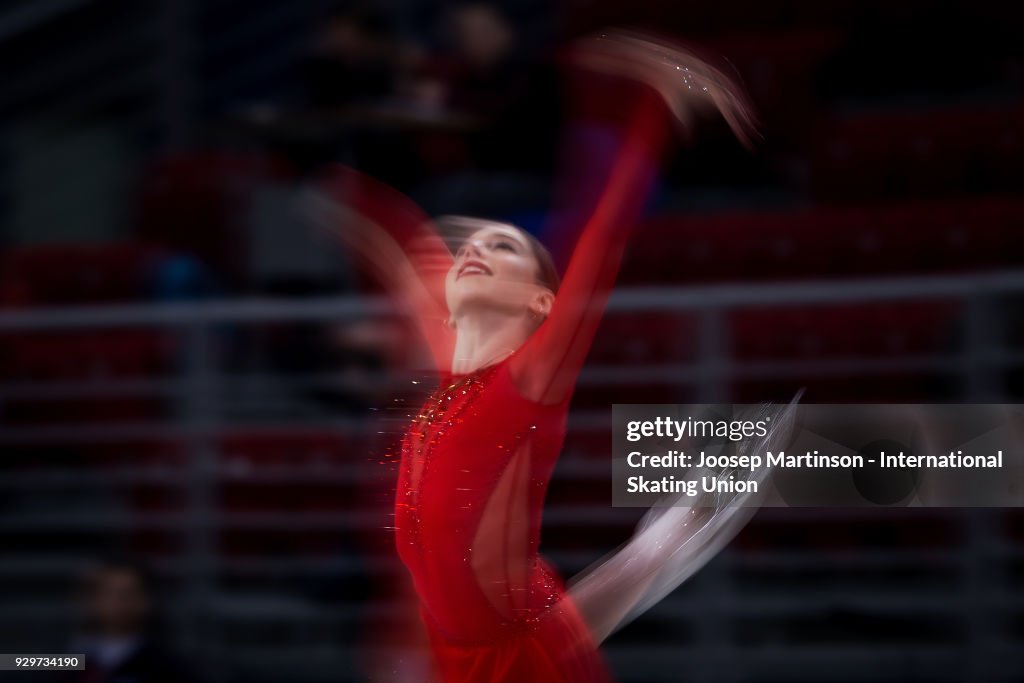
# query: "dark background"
[[192, 375]]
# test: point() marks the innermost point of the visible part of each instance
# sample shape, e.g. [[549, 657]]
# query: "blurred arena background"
[[194, 377]]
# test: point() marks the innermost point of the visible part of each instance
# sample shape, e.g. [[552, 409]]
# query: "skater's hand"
[[688, 83]]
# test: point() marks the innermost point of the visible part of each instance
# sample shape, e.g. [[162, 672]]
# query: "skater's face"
[[497, 268]]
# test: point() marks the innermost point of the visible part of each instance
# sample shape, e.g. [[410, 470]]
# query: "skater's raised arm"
[[636, 87]]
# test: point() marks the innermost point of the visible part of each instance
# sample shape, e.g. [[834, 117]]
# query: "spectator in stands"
[[118, 636], [355, 59], [357, 78], [492, 76]]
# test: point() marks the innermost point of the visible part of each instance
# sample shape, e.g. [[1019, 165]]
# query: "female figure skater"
[[508, 340]]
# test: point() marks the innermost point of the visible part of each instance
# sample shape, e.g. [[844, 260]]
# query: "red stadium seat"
[[602, 396], [74, 274], [919, 154], [593, 444], [844, 331], [778, 70], [252, 470], [195, 203], [244, 451], [94, 357], [834, 334], [643, 338], [103, 354], [890, 239]]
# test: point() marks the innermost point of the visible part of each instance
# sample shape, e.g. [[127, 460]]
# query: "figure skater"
[[508, 339]]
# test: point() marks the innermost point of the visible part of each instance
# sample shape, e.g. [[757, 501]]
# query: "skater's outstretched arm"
[[397, 242]]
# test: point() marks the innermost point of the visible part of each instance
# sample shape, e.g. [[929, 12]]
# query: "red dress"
[[476, 465], [478, 457]]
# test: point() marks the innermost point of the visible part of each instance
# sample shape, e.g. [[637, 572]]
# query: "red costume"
[[475, 469], [478, 457], [477, 460]]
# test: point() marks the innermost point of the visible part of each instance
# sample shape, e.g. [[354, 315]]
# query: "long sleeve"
[[547, 367]]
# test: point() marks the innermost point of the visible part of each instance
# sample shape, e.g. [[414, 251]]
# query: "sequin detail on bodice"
[[445, 408], [476, 462]]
